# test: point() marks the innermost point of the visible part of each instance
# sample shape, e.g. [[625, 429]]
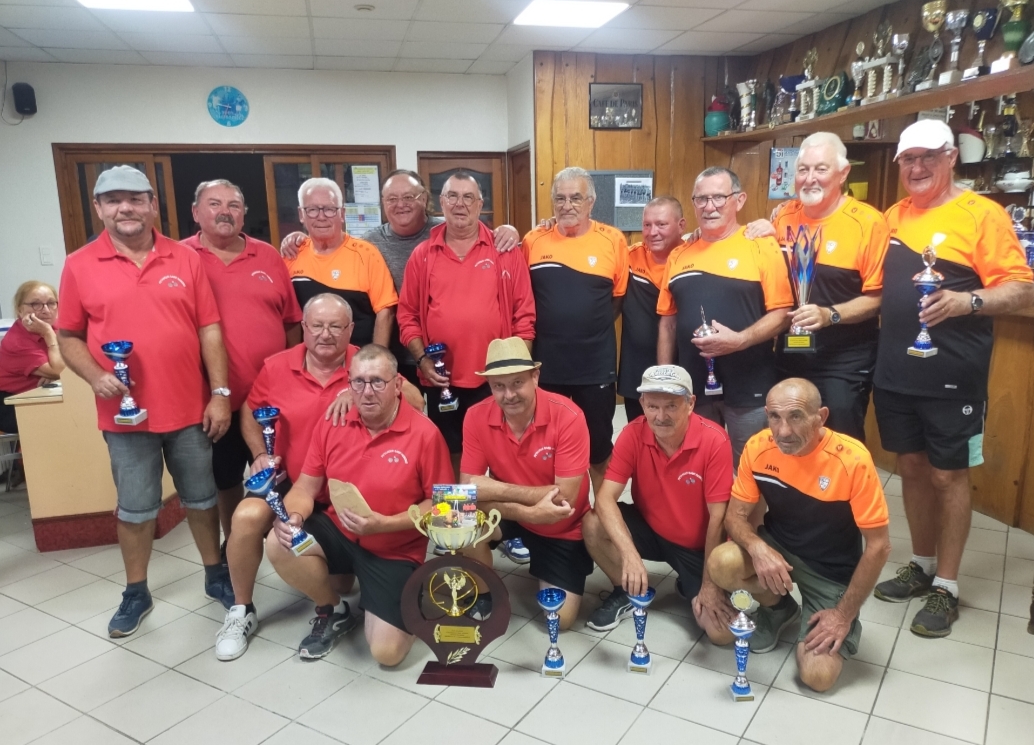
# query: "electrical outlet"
[[46, 256]]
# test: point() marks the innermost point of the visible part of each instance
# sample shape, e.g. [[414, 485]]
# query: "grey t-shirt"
[[397, 249]]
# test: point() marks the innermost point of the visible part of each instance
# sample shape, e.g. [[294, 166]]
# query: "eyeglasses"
[[359, 385], [718, 200], [407, 200], [317, 211], [452, 198], [576, 201], [333, 329], [928, 159], [37, 307]]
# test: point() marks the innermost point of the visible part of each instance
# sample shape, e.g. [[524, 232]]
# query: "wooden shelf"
[[988, 86]]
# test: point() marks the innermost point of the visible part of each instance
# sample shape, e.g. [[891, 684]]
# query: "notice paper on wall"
[[782, 164], [632, 192], [365, 185], [361, 217]]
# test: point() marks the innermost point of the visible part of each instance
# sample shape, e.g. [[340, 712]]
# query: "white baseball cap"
[[930, 134], [666, 379]]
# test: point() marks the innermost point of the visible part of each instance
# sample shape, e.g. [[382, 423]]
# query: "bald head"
[[795, 416], [798, 390]]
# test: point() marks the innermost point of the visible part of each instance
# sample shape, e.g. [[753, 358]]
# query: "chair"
[[10, 453]]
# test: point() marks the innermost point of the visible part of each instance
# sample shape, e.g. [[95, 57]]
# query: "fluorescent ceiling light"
[[570, 13], [179, 6]]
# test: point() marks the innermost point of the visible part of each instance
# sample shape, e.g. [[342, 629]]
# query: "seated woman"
[[28, 353]]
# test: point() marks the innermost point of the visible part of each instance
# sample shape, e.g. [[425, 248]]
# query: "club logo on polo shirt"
[[592, 261], [543, 453], [967, 409], [171, 280], [335, 273], [261, 276], [831, 246], [823, 482], [395, 456], [485, 264], [690, 477], [733, 263]]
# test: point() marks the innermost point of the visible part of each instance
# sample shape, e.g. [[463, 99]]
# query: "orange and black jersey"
[[979, 250], [736, 281], [817, 503], [849, 262], [575, 281], [356, 271], [639, 319]]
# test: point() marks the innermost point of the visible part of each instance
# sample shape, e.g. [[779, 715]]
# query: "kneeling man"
[[681, 470], [824, 497], [393, 456], [535, 446]]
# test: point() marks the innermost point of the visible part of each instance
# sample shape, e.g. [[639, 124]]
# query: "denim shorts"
[[136, 465]]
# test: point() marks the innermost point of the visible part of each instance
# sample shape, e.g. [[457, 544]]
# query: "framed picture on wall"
[[615, 105]]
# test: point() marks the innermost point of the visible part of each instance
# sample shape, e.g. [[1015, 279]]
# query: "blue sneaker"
[[515, 550], [220, 588], [135, 605]]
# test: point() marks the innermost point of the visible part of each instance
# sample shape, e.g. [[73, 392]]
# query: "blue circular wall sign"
[[228, 106]]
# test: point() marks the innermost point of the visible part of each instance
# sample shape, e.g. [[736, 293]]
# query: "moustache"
[[224, 218]]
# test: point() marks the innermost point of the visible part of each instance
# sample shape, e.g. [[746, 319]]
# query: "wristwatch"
[[834, 316], [221, 392], [975, 303]]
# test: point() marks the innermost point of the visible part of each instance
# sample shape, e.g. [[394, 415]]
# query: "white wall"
[[122, 103], [520, 111]]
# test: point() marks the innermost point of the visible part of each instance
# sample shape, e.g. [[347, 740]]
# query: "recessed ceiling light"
[[177, 6], [570, 13]]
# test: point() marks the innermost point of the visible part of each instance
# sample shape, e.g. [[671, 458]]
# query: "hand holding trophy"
[[129, 413], [927, 282]]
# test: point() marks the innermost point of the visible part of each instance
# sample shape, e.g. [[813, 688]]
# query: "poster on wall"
[[365, 185], [780, 172], [362, 217], [632, 192]]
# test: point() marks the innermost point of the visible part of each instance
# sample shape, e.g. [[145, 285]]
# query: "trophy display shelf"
[[977, 89]]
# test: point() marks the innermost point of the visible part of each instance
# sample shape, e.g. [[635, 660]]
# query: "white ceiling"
[[458, 36]]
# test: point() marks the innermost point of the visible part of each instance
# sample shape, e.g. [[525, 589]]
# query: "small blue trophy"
[[741, 627], [266, 416], [804, 250], [262, 485], [129, 414], [711, 386], [927, 281], [551, 600], [640, 661], [447, 401]]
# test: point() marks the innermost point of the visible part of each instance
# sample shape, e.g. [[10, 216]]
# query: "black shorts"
[[230, 456], [633, 409], [949, 430], [450, 423], [380, 580], [556, 561], [847, 401], [598, 403], [687, 563]]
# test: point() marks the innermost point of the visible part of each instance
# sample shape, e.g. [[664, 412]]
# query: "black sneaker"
[[911, 582], [327, 626], [937, 616], [614, 609], [771, 622], [482, 607], [135, 605], [222, 555]]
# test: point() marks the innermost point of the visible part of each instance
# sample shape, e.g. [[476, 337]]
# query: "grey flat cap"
[[122, 178]]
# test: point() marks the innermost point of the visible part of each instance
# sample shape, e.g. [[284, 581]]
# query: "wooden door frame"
[[424, 156], [68, 187], [524, 147]]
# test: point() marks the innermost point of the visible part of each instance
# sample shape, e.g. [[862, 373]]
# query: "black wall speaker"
[[24, 98]]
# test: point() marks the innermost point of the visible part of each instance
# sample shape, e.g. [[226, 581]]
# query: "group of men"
[[532, 377]]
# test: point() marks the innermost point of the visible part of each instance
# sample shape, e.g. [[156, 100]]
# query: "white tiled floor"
[[63, 681]]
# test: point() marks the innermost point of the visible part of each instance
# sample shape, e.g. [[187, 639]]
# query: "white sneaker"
[[232, 640]]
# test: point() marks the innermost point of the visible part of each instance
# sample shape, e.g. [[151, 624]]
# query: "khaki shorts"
[[817, 593]]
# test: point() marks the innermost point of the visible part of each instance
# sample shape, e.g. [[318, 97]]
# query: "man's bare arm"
[[382, 326], [666, 346], [874, 557], [606, 509]]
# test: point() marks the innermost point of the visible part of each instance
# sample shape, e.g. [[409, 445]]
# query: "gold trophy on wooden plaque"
[[809, 89], [881, 65], [933, 14]]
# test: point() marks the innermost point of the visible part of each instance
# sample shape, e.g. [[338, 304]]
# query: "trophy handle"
[[418, 518], [492, 521]]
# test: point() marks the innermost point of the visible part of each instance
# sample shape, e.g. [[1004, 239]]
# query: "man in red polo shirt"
[[681, 470], [305, 382], [393, 455], [259, 313], [133, 284], [459, 290], [535, 446]]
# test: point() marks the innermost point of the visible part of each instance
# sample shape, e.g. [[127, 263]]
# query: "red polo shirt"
[[555, 445], [284, 383], [392, 471], [159, 307], [255, 300], [21, 354], [672, 493]]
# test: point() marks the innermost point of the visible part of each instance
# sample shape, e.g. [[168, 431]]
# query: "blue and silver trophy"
[[447, 401], [551, 600], [262, 485], [640, 661], [927, 281], [741, 627], [804, 251], [118, 352], [266, 416], [711, 386]]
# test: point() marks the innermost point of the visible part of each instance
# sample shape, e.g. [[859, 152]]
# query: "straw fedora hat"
[[507, 356]]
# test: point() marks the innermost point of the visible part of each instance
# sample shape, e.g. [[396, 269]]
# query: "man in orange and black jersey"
[[579, 273], [845, 297], [742, 286], [663, 226], [827, 529], [330, 260], [930, 410]]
